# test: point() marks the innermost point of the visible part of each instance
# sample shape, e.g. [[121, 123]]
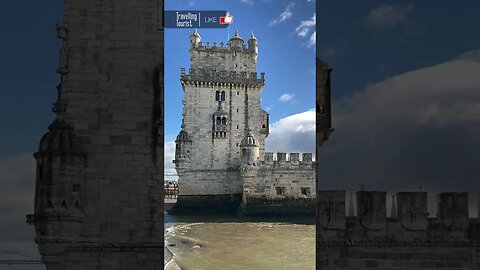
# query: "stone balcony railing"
[[222, 76]]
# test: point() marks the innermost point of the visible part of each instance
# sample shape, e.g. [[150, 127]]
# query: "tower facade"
[[220, 153], [221, 105], [98, 200]]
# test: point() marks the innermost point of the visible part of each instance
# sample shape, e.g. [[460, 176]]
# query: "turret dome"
[[236, 41], [59, 139], [249, 140], [195, 39], [183, 137]]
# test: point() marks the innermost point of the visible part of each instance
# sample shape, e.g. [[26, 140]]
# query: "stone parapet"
[[220, 48], [292, 160], [410, 223], [410, 238], [215, 77]]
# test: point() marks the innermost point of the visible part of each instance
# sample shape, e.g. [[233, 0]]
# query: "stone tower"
[[221, 105], [98, 200], [220, 153]]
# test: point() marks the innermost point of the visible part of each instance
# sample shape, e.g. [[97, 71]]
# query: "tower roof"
[[236, 36], [249, 140], [252, 36], [183, 137], [59, 139], [195, 33]]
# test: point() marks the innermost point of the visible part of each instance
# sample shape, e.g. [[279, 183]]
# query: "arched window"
[[219, 120], [224, 121], [223, 96], [217, 96]]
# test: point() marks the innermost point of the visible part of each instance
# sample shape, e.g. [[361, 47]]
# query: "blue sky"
[[285, 57], [370, 40]]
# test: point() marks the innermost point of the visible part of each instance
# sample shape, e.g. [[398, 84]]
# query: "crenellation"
[[411, 239], [281, 158], [215, 77], [294, 158], [268, 158], [307, 157], [413, 220]]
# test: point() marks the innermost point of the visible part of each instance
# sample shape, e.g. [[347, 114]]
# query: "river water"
[[228, 242]]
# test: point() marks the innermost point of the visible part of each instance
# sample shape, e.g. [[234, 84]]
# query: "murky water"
[[210, 243]]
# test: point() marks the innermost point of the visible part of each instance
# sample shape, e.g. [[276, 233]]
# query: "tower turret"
[[252, 43], [195, 38], [250, 150], [236, 41], [58, 211], [182, 148]]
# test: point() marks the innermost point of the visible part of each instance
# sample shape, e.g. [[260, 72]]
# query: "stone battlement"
[[409, 223], [282, 158], [222, 76], [214, 48]]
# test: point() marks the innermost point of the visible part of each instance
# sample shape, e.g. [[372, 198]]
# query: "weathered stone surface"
[[453, 210], [104, 195], [400, 243], [331, 209], [412, 210], [371, 209]]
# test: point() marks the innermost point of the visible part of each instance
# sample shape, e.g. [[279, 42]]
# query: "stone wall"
[[110, 94], [281, 186], [409, 239]]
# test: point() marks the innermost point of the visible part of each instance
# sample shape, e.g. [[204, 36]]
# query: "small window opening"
[[305, 191], [280, 190]]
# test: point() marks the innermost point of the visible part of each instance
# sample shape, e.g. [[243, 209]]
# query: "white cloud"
[[286, 97], [313, 40], [294, 133], [387, 16], [285, 15], [417, 128], [306, 26], [248, 2]]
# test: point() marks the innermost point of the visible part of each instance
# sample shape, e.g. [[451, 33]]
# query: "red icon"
[[227, 19]]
